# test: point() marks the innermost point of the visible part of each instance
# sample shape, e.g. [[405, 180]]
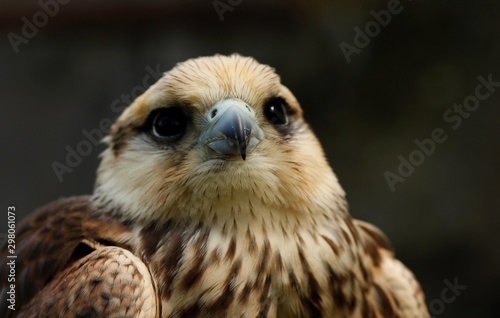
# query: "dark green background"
[[443, 220]]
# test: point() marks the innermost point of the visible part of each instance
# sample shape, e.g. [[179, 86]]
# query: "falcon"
[[213, 199]]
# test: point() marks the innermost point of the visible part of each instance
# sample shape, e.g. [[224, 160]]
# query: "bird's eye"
[[169, 123], [275, 111]]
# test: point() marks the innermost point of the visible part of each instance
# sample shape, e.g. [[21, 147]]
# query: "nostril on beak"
[[232, 128]]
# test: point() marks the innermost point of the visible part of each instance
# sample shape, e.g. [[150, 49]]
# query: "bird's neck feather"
[[259, 207]]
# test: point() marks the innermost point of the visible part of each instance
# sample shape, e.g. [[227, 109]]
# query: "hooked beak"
[[232, 128]]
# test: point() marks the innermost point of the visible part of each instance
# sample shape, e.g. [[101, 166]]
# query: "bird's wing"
[[109, 282], [48, 242], [395, 292]]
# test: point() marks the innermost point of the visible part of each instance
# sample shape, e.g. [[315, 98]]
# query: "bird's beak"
[[232, 128]]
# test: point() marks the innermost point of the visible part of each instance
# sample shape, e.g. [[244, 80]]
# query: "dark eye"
[[169, 123], [275, 111]]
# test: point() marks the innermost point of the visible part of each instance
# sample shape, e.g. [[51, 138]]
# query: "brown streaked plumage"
[[213, 199]]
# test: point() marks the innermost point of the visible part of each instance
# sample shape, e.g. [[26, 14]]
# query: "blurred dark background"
[[443, 219]]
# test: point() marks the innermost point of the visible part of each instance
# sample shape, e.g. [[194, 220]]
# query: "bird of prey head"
[[217, 139]]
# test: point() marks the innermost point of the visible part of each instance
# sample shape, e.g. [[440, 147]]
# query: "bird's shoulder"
[[50, 240], [393, 289]]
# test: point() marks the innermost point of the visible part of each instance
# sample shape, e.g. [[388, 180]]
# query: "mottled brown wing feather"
[[48, 241], [45, 241], [394, 291], [109, 282]]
